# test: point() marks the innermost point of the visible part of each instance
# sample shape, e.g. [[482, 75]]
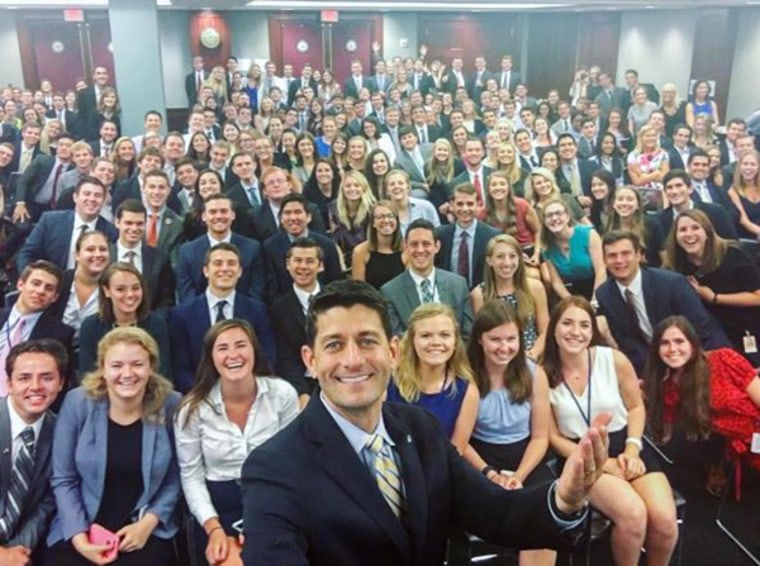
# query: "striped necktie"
[[387, 474], [18, 488]]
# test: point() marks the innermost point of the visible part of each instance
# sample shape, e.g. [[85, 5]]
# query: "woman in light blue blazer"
[[114, 463]]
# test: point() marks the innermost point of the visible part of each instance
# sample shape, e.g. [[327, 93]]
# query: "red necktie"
[[153, 230], [478, 189]]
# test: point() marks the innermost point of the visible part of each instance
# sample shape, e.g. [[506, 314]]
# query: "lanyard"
[[587, 415]]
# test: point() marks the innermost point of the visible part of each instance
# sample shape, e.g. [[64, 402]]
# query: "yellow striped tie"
[[387, 475]]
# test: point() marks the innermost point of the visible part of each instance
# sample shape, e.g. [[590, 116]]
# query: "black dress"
[[381, 268], [737, 273]]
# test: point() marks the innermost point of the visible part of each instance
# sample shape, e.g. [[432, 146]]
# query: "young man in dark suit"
[[26, 148], [347, 446], [194, 81], [463, 243], [635, 299], [188, 322], [294, 219], [36, 378], [288, 313], [87, 103], [28, 318], [54, 236], [703, 188], [152, 262], [218, 215]]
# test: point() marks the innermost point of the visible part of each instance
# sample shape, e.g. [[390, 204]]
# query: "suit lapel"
[[149, 437], [338, 459], [43, 444], [650, 296], [410, 294]]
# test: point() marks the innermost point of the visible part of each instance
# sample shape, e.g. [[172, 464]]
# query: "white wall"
[[250, 34], [10, 68], [659, 44], [398, 26], [744, 96]]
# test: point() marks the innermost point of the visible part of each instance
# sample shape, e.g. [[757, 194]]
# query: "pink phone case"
[[101, 535]]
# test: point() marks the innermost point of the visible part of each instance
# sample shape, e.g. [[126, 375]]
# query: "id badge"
[[750, 344], [755, 446]]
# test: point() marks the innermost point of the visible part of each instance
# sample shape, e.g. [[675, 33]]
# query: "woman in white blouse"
[[230, 411]]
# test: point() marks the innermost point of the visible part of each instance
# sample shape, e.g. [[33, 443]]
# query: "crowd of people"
[[531, 264]]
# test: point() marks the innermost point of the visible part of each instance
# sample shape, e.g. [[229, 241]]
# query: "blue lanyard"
[[587, 415]]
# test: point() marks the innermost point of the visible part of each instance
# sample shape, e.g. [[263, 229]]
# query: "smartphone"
[[101, 535]]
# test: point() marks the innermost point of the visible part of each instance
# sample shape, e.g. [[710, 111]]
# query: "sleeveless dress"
[[445, 404], [381, 268]]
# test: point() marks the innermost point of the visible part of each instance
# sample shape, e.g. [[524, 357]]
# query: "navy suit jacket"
[[39, 506], [289, 324], [719, 217], [265, 224], [189, 322], [308, 498], [275, 252], [16, 161], [666, 294], [719, 197], [51, 238], [190, 279], [483, 234]]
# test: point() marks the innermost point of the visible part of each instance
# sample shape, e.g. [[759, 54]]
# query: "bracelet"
[[488, 469], [208, 534], [636, 442], [715, 298]]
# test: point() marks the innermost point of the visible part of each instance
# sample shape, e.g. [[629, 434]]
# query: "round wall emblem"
[[57, 47], [351, 46], [210, 38], [302, 46]]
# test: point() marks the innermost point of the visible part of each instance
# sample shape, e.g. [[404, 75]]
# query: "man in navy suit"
[[475, 172], [314, 493], [679, 190], [69, 119], [508, 79], [87, 102], [38, 288], [356, 81], [188, 322], [194, 81], [635, 299], [218, 215], [149, 158], [37, 370], [153, 263], [294, 219], [703, 188], [26, 148], [288, 314], [679, 152], [54, 236], [298, 85], [463, 244], [573, 172]]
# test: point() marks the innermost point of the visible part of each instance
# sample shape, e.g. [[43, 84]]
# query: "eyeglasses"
[[384, 216], [555, 214]]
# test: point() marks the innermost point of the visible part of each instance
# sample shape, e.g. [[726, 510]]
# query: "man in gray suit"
[[412, 159], [35, 378], [423, 283], [611, 96]]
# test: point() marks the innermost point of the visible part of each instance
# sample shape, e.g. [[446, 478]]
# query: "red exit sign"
[[73, 15], [329, 16]]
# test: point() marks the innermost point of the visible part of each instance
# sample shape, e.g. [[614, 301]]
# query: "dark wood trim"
[[25, 33]]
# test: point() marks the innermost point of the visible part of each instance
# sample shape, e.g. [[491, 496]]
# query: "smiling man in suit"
[[152, 262], [422, 283], [164, 229], [354, 480], [87, 103], [218, 215], [635, 299], [194, 81], [55, 235], [412, 158], [188, 322], [288, 313], [36, 371], [463, 244]]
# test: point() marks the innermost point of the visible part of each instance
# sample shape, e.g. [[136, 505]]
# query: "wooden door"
[[297, 42], [351, 40], [57, 54]]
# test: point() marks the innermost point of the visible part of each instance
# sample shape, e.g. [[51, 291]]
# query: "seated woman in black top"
[[322, 187], [381, 256], [724, 277], [122, 302]]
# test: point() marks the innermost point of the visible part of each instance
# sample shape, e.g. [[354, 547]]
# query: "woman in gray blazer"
[[114, 463]]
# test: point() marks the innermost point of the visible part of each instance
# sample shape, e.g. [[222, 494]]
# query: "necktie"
[[253, 197], [478, 188], [15, 339], [631, 305], [152, 237], [463, 260], [130, 257], [575, 183], [504, 81], [198, 82], [56, 176], [566, 122], [18, 488], [427, 291], [609, 96], [386, 474], [106, 150], [220, 311], [423, 135]]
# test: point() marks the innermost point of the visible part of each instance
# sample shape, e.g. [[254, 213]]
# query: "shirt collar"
[[215, 395], [418, 278], [303, 296], [79, 221], [470, 230], [212, 241], [15, 316], [18, 424], [356, 437], [634, 286], [213, 299], [121, 249]]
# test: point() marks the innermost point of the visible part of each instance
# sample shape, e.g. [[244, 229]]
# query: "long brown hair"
[[550, 360], [207, 374], [715, 246], [693, 386], [510, 224], [517, 378], [526, 305]]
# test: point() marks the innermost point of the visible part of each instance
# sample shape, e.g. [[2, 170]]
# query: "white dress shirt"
[[78, 223], [418, 284], [212, 447], [122, 251], [212, 301], [304, 296]]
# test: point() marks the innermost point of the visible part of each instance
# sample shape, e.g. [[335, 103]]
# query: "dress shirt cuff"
[[564, 524]]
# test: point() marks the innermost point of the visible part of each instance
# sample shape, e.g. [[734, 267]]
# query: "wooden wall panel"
[[551, 52], [202, 20], [598, 40]]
